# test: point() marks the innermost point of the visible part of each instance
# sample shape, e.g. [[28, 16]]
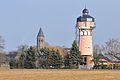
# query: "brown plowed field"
[[38, 74]]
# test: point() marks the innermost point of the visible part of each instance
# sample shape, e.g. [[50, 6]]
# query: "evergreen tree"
[[67, 61], [49, 59], [21, 56], [30, 60], [75, 57], [43, 57], [21, 59], [12, 64], [56, 59]]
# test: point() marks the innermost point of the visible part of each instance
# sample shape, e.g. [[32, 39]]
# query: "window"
[[41, 40], [88, 32], [85, 33], [89, 19], [81, 33]]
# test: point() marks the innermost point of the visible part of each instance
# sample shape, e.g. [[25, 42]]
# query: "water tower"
[[85, 25]]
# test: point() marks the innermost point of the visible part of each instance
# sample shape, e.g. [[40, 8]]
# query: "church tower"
[[85, 25], [40, 39]]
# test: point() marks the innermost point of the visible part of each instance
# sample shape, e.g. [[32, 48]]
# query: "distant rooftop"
[[111, 58]]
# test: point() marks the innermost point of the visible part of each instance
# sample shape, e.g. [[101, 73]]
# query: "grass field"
[[24, 74]]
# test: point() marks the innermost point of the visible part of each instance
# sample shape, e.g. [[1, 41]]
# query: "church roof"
[[40, 33]]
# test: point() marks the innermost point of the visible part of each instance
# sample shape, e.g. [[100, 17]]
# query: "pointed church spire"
[[40, 33]]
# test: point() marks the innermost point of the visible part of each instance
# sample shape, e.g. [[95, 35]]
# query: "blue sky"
[[20, 20]]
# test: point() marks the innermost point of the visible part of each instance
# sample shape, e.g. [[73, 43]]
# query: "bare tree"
[[2, 57], [2, 54], [1, 43], [111, 46], [96, 49], [96, 55], [23, 48]]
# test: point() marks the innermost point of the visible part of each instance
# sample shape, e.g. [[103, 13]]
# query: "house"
[[109, 61], [4, 64]]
